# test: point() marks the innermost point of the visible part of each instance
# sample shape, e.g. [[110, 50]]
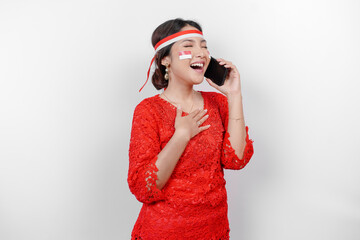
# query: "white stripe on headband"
[[169, 40], [177, 39]]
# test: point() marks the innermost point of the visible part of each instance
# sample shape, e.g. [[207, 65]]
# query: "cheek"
[[208, 53], [178, 66]]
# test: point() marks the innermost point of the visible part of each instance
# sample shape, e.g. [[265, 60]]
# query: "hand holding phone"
[[216, 72]]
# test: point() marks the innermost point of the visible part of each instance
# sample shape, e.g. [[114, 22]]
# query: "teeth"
[[197, 65]]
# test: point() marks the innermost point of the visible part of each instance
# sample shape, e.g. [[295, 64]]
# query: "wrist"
[[237, 118], [182, 136], [234, 96], [234, 100]]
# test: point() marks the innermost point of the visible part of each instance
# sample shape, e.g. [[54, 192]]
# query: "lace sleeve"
[[229, 159], [143, 151]]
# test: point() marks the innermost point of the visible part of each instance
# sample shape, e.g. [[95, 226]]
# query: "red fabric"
[[193, 203]]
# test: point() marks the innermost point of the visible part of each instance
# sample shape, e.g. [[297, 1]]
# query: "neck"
[[179, 93]]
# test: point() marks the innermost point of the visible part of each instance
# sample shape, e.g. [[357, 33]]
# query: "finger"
[[214, 85], [202, 120], [194, 113], [233, 70], [223, 61], [203, 128], [232, 66], [200, 115]]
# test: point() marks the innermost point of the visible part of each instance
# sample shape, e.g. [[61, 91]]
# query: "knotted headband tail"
[[169, 40], [148, 73]]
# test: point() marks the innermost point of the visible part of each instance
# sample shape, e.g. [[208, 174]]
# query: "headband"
[[169, 40]]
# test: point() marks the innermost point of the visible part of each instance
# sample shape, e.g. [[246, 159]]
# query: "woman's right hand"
[[190, 125]]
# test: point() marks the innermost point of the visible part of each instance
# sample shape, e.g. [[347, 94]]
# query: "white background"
[[70, 72]]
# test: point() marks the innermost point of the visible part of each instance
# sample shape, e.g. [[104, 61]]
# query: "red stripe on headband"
[[176, 35]]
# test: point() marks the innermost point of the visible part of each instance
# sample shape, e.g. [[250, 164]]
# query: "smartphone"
[[216, 72]]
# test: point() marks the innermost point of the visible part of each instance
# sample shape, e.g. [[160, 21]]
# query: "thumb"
[[212, 83]]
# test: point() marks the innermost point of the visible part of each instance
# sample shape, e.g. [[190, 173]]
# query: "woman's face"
[[189, 70]]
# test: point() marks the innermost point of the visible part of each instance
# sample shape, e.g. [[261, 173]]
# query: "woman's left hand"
[[232, 83]]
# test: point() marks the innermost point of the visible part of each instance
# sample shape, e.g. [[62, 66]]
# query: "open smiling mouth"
[[197, 67]]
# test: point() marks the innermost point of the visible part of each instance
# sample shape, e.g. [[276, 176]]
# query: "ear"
[[165, 60]]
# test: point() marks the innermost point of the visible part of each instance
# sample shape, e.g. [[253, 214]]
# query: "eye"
[[204, 47], [188, 46]]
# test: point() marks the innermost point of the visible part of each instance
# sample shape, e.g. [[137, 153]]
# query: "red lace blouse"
[[193, 203]]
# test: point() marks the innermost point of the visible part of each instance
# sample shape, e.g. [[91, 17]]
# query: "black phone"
[[216, 72]]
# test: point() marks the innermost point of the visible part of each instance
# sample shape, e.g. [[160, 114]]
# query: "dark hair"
[[162, 31]]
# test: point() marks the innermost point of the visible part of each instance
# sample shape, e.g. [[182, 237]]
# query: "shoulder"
[[144, 118], [215, 97], [146, 107], [146, 103]]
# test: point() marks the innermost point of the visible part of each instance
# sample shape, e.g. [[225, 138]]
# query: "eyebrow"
[[190, 40]]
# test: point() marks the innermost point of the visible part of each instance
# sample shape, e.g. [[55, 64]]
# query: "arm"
[[236, 124], [237, 147], [168, 158], [236, 137], [143, 150]]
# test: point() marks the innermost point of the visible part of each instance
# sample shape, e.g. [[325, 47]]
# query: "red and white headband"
[[169, 40]]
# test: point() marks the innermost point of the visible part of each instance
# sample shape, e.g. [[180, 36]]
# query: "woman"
[[181, 140]]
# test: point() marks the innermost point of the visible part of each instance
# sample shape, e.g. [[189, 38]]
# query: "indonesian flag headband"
[[172, 39]]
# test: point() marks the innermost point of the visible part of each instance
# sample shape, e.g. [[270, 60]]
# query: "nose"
[[199, 52]]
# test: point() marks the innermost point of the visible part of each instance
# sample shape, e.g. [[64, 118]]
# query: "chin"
[[198, 81]]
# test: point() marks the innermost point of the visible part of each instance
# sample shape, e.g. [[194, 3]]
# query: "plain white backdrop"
[[70, 72]]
